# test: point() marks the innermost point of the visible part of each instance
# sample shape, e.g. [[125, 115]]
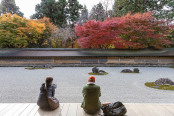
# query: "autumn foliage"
[[170, 35], [135, 31], [18, 32]]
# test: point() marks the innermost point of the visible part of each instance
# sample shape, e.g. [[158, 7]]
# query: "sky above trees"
[[28, 6]]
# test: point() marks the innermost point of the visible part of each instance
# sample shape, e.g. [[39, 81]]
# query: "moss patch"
[[163, 87], [37, 68], [104, 73], [171, 67]]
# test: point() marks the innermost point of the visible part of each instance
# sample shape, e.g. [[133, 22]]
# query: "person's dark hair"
[[48, 80]]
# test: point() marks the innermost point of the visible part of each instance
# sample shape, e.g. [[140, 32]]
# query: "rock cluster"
[[164, 81], [43, 66], [96, 70], [136, 70]]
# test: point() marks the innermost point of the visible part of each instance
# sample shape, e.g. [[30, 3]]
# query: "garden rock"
[[48, 66], [164, 81], [136, 70], [126, 71], [33, 67], [95, 70], [102, 71]]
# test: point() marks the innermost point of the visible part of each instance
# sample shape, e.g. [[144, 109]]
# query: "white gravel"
[[18, 84]]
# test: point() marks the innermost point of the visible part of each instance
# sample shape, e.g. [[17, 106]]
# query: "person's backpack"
[[114, 109], [53, 101]]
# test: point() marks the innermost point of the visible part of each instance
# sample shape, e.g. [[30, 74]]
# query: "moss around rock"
[[171, 67], [104, 73], [37, 68], [163, 87]]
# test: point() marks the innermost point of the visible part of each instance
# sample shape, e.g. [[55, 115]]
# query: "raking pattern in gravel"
[[20, 85]]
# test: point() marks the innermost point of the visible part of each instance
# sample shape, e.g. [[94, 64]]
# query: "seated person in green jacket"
[[91, 93]]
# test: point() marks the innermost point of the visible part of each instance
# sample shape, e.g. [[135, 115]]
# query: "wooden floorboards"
[[74, 109]]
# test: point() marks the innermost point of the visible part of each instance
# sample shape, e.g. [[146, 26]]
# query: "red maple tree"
[[135, 31]]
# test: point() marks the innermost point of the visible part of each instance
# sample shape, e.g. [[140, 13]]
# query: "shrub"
[[18, 32]]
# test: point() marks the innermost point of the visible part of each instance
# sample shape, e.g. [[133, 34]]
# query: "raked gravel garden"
[[20, 85]]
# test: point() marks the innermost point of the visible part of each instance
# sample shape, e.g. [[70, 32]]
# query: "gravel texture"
[[19, 85]]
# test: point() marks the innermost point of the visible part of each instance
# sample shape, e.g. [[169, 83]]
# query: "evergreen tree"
[[84, 15], [168, 12], [97, 13], [9, 6], [38, 14], [54, 10], [0, 9], [171, 13], [73, 9], [122, 7], [62, 16]]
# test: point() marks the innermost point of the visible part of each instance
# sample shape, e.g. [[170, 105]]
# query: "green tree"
[[62, 15], [0, 9], [171, 13], [168, 11], [73, 9], [54, 10], [84, 15], [122, 7], [39, 12], [9, 6], [97, 13]]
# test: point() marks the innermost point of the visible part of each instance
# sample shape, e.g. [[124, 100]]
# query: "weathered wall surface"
[[86, 57], [87, 61]]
